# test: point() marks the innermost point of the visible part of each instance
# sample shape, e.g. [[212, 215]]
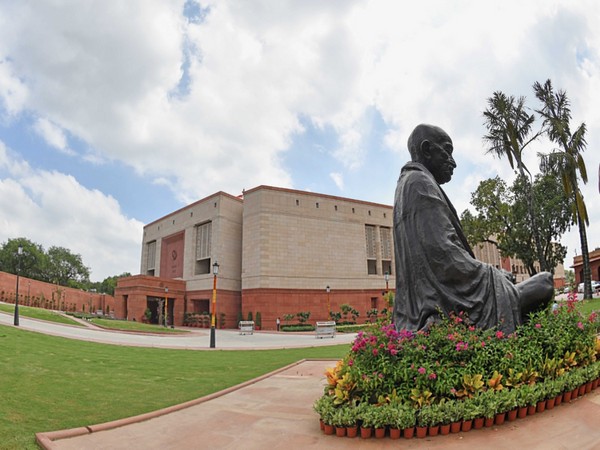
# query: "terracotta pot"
[[574, 393], [595, 383], [478, 423], [340, 431], [512, 414], [421, 432], [379, 433], [550, 403], [433, 430], [366, 433], [581, 390], [588, 387], [558, 399], [395, 433], [445, 429], [567, 396], [467, 425], [531, 410], [321, 424], [328, 429], [408, 433], [488, 422], [522, 412], [500, 417], [541, 406], [455, 427], [352, 432]]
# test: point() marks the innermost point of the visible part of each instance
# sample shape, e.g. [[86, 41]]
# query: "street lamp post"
[[328, 289], [214, 305], [19, 253], [166, 307]]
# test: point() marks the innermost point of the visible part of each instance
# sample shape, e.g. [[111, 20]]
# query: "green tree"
[[566, 161], [108, 285], [65, 268], [509, 132], [502, 219], [32, 261]]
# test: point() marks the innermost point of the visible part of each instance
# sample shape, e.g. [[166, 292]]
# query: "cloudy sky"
[[115, 113]]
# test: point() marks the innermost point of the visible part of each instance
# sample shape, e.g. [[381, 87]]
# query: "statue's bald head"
[[424, 132], [431, 146]]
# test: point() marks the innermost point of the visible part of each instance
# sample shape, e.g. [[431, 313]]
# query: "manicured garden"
[[455, 373], [51, 383]]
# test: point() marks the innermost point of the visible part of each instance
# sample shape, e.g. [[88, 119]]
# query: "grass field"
[[124, 325], [39, 313], [50, 383], [588, 306]]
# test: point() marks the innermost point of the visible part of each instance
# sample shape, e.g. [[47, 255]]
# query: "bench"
[[246, 326], [325, 329]]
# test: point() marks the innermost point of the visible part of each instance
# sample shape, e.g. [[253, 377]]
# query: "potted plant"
[[344, 419], [366, 415], [488, 401], [430, 416], [325, 408], [258, 321], [525, 397], [541, 394], [472, 409], [405, 419]]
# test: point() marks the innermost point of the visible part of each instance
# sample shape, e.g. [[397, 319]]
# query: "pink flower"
[[499, 334], [350, 363], [482, 344], [461, 346], [580, 325], [375, 352], [393, 352], [432, 376], [471, 328], [538, 325], [421, 370]]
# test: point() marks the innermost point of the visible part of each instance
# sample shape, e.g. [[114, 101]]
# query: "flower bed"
[[456, 373]]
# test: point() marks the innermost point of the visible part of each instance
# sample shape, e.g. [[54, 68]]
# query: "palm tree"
[[566, 161], [509, 129]]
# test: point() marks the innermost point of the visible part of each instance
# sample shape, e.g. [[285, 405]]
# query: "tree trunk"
[[534, 229], [587, 272]]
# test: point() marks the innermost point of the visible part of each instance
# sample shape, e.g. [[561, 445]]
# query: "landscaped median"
[[455, 376]]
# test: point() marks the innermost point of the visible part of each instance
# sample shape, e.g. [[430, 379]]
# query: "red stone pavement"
[[275, 412]]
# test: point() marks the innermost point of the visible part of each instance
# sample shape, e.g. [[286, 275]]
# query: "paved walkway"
[[196, 339], [275, 412]]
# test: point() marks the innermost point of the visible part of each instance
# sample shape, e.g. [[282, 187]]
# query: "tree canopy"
[[502, 218], [57, 265]]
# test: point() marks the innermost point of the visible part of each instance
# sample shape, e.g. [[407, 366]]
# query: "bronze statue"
[[436, 270]]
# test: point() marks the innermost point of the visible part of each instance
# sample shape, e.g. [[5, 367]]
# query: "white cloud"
[[52, 208], [338, 179], [53, 135], [108, 73]]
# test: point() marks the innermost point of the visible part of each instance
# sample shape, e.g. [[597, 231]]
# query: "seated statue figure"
[[436, 270]]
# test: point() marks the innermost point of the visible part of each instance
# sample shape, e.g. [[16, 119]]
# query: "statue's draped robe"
[[435, 266]]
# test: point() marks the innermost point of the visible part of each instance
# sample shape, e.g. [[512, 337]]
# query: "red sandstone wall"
[[228, 303], [52, 296], [273, 303]]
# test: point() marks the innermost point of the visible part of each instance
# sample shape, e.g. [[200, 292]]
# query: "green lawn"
[[587, 306], [50, 383], [39, 313], [125, 325]]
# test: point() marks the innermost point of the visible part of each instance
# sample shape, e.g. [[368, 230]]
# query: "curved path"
[[196, 339]]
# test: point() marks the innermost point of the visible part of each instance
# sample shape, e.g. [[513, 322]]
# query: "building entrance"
[[156, 306]]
